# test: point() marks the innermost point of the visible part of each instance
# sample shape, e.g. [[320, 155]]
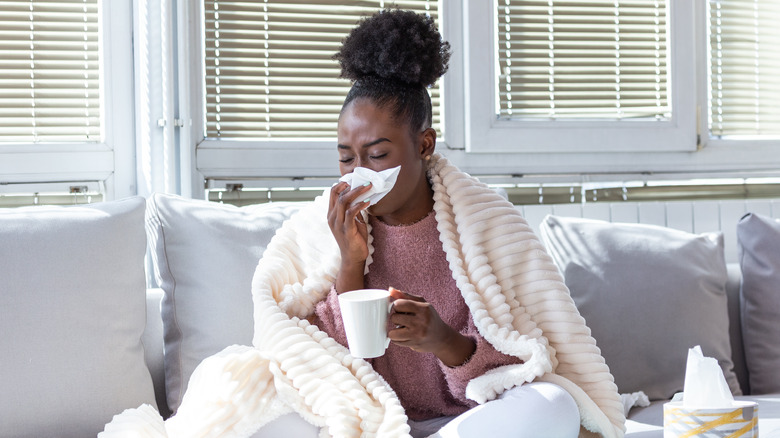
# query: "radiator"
[[690, 216]]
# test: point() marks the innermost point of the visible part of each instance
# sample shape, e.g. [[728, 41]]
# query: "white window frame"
[[217, 158], [110, 163], [294, 158], [710, 156], [487, 133], [758, 155], [584, 150]]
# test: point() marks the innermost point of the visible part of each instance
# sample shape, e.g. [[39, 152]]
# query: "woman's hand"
[[351, 233], [419, 327]]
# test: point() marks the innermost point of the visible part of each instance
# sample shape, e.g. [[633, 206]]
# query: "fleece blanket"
[[515, 293]]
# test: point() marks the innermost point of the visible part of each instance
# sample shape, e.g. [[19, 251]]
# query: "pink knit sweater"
[[411, 259]]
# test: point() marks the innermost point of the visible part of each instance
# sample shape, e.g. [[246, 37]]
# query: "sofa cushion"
[[648, 294], [72, 313], [758, 240], [205, 254]]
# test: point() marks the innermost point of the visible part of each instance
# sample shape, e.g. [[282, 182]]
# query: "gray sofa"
[[202, 259], [644, 422]]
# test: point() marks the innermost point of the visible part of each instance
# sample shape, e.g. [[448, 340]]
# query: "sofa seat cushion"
[[205, 254], [648, 294], [759, 257], [72, 313]]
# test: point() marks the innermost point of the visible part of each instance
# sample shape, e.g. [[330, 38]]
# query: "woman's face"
[[368, 136]]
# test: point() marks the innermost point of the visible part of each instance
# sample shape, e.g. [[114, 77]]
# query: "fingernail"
[[367, 184], [367, 200]]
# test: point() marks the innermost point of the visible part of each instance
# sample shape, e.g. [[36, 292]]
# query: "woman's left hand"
[[419, 327]]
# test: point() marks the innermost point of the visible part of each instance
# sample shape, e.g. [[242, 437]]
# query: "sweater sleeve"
[[485, 358], [327, 316]]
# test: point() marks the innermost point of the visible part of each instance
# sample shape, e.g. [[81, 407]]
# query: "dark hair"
[[391, 57]]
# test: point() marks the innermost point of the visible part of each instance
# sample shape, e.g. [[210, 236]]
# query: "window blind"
[[49, 71], [603, 59], [269, 71], [744, 67], [12, 200]]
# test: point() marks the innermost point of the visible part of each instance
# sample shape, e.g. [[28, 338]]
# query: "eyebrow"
[[369, 144]]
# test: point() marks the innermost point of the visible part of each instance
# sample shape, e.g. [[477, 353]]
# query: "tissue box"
[[738, 421]]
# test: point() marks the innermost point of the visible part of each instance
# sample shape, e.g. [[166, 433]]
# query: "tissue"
[[704, 386], [707, 408], [381, 182]]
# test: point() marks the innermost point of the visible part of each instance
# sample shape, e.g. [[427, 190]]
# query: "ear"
[[427, 143]]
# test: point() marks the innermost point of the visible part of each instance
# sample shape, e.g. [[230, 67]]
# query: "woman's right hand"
[[346, 224]]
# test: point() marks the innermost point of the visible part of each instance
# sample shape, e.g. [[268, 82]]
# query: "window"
[[66, 87], [581, 76], [269, 66], [591, 89], [744, 90], [50, 82], [583, 89], [574, 60], [267, 88]]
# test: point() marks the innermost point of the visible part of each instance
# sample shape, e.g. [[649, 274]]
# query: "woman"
[[386, 122], [486, 340], [483, 310]]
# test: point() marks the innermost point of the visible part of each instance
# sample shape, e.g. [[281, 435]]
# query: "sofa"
[[108, 306]]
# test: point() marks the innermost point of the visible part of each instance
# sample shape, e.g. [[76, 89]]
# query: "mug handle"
[[389, 311]]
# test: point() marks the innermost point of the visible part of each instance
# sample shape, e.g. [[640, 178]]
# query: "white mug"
[[364, 313]]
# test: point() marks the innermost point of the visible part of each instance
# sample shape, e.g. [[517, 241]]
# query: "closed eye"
[[377, 157]]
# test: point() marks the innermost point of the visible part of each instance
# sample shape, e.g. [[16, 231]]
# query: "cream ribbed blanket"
[[515, 293]]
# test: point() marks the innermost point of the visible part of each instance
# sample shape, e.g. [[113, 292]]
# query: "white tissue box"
[[738, 421]]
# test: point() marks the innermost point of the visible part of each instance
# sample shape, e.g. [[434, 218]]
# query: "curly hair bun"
[[395, 45]]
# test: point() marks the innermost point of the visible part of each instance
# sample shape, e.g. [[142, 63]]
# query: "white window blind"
[[744, 67], [269, 67], [601, 59], [49, 71]]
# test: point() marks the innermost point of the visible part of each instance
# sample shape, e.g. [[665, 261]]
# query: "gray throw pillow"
[[648, 294], [205, 254], [72, 313], [759, 258]]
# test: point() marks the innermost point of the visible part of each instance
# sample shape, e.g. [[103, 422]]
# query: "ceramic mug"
[[364, 313]]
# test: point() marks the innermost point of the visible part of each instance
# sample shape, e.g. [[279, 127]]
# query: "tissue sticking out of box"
[[705, 386], [707, 408]]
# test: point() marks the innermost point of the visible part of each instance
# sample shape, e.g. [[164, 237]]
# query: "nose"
[[361, 161]]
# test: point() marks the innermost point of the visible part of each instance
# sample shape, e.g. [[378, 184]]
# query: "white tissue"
[[381, 182], [705, 386]]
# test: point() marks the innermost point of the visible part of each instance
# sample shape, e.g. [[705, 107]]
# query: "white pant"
[[532, 410]]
